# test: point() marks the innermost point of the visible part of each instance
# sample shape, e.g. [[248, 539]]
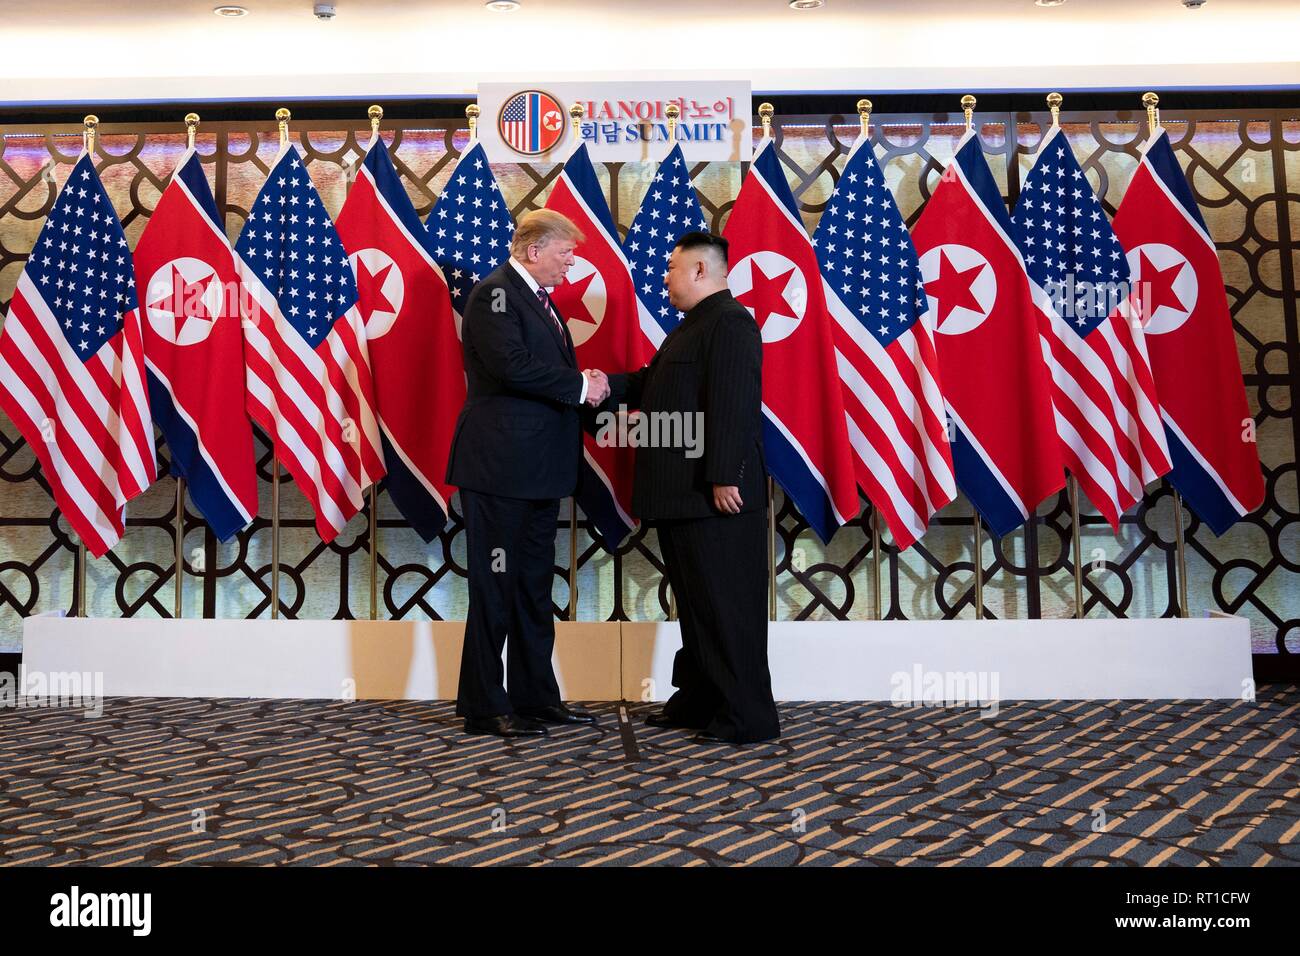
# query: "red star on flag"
[[952, 288], [1157, 287], [184, 301], [766, 296], [567, 299], [370, 291]]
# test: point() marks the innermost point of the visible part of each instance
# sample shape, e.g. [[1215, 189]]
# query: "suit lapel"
[[539, 310]]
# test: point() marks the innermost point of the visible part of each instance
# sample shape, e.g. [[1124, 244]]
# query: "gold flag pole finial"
[[1152, 104], [672, 111], [472, 113], [765, 111], [191, 128], [968, 107], [376, 113], [1054, 101], [864, 114], [576, 113], [91, 123], [282, 117]]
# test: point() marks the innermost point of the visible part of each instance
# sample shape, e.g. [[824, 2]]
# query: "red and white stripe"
[[1105, 403], [88, 422], [317, 404], [894, 410]]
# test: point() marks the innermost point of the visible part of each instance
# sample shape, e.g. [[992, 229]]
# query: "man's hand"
[[726, 498], [597, 386]]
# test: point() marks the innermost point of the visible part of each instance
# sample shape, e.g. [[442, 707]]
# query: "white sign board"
[[623, 122]]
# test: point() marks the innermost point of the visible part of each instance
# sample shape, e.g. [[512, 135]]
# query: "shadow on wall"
[[421, 659]]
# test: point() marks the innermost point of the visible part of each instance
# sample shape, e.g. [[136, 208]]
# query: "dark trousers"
[[717, 568], [511, 559]]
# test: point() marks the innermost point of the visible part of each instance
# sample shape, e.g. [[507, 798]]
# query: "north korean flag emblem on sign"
[[531, 122]]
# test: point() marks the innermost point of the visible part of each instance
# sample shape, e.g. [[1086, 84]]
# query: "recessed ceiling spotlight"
[[230, 11], [502, 6], [1048, 3], [806, 4]]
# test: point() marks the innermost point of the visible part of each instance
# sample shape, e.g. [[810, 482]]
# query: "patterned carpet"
[[265, 782]]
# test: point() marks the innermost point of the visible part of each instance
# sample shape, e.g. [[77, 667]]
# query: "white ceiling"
[[97, 50]]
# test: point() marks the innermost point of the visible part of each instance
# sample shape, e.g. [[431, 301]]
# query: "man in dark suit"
[[514, 455], [709, 507]]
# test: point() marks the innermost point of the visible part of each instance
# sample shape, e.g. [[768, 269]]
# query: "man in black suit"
[[514, 455], [709, 507]]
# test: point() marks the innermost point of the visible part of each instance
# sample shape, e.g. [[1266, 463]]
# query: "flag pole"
[[771, 550], [968, 109], [1152, 104], [282, 117], [672, 111], [864, 117], [375, 113], [81, 579], [1054, 101], [765, 111], [576, 113], [191, 130], [875, 564], [91, 124]]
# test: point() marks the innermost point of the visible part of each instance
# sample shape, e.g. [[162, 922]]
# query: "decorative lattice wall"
[[1244, 167]]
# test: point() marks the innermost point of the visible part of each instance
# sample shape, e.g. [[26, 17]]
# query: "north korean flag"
[[194, 348], [774, 273], [996, 385], [1180, 299], [598, 302], [404, 302]]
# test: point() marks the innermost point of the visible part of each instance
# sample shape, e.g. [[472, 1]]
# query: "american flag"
[[886, 356], [71, 363], [1102, 387], [309, 380], [669, 210], [470, 227]]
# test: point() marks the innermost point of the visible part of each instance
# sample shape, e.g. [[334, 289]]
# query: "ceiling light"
[[502, 6], [806, 4], [1048, 3], [230, 11]]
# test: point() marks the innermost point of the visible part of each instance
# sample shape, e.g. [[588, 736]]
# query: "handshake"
[[597, 386]]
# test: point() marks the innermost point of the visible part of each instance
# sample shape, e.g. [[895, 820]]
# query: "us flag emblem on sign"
[[531, 122]]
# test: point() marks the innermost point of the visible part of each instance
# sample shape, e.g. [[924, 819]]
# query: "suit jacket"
[[518, 435], [712, 363]]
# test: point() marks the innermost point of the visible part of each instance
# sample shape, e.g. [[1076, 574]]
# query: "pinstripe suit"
[[716, 563]]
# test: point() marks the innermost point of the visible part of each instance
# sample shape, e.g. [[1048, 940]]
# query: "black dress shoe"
[[559, 714], [661, 719], [504, 725]]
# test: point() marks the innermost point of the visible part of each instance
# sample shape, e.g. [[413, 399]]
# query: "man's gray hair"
[[538, 228]]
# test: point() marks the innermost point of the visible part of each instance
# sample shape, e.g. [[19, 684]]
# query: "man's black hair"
[[696, 240]]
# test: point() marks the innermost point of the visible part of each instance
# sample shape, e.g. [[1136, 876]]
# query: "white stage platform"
[[1207, 657]]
